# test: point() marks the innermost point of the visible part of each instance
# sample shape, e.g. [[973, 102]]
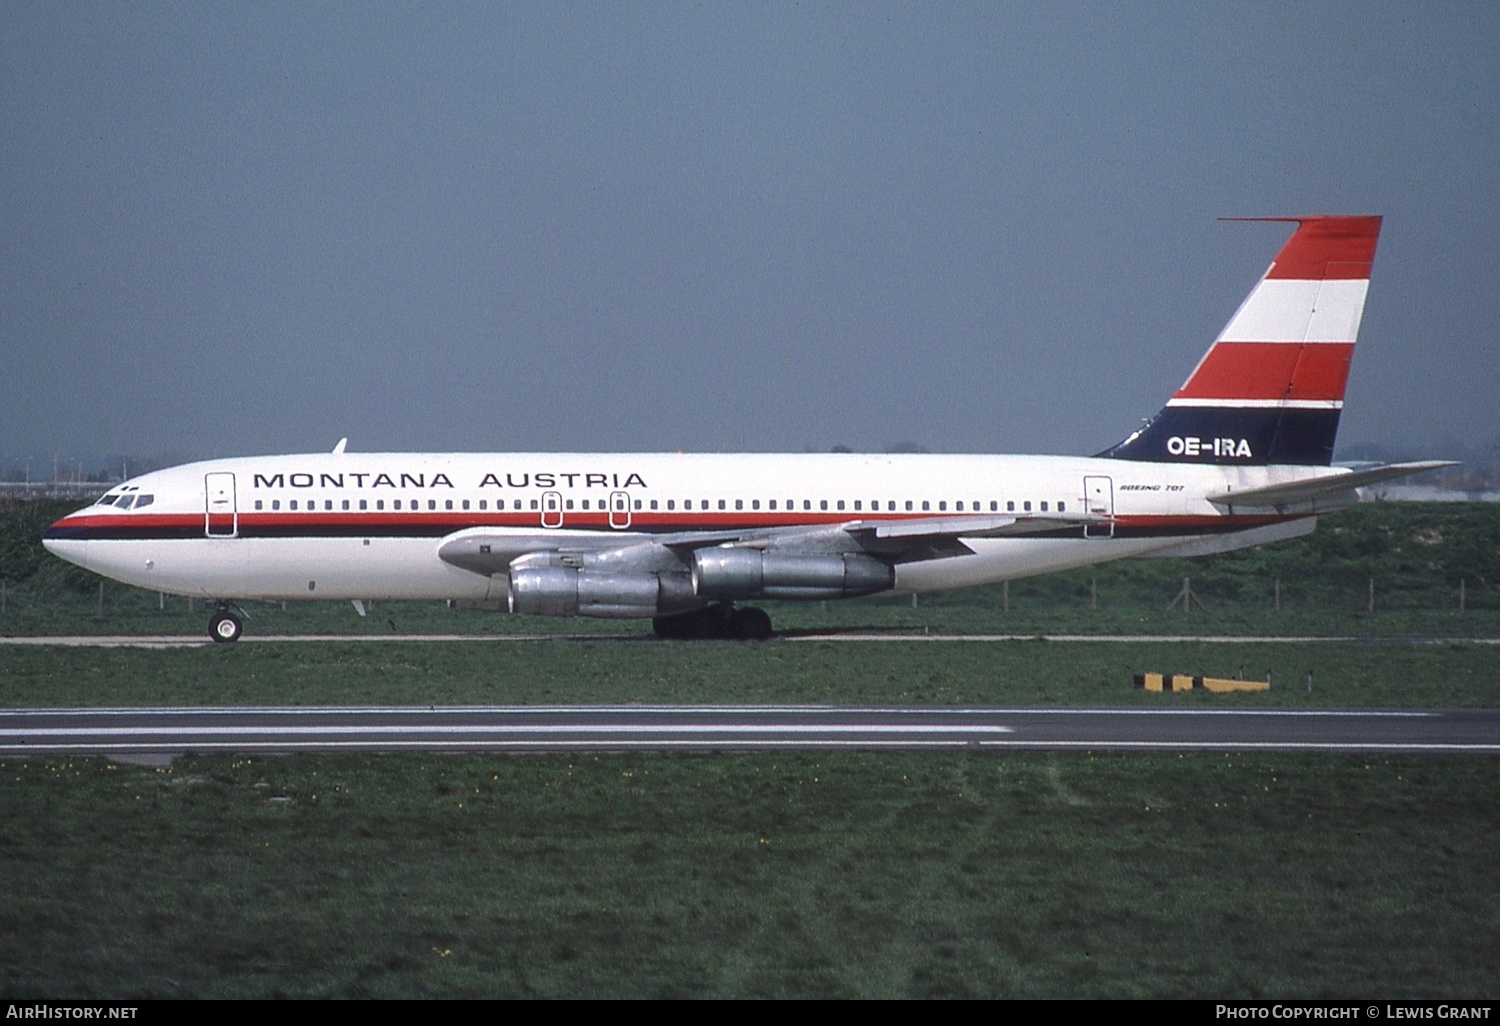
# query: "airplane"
[[1240, 455]]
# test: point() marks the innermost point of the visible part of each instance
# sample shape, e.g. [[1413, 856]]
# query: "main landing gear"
[[224, 625], [719, 621]]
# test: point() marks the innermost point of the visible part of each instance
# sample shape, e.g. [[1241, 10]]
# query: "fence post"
[[1370, 605], [101, 598], [1005, 595], [1093, 593], [1460, 596], [1186, 597], [1278, 594]]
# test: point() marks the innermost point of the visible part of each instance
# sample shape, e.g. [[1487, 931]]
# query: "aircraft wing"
[[896, 541], [971, 527], [1329, 486]]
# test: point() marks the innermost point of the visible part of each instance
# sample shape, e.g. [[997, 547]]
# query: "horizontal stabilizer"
[[1312, 489]]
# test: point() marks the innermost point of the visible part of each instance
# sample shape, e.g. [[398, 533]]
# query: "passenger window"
[[721, 503], [363, 504], [807, 504], [1026, 505], [432, 504], [1062, 507], [447, 503], [466, 504], [856, 505], [755, 504], [516, 506], [275, 503], [637, 503], [926, 506], [257, 504], [380, 504], [773, 504], [943, 505], [739, 503], [822, 503], [653, 503], [534, 504], [1044, 506], [673, 502], [1010, 507], [908, 505], [394, 505], [484, 503], [891, 505], [840, 504], [994, 506], [126, 503], [346, 504]]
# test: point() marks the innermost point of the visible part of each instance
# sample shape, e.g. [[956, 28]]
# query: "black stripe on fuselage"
[[1162, 528]]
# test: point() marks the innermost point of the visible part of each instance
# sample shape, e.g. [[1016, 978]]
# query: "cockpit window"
[[144, 500], [106, 500], [125, 501]]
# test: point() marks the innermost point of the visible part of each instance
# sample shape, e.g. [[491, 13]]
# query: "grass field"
[[561, 671], [776, 875]]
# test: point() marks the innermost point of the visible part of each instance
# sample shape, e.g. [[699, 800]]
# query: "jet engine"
[[563, 591], [738, 573]]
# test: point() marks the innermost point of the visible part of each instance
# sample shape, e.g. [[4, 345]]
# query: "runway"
[[202, 641], [176, 731]]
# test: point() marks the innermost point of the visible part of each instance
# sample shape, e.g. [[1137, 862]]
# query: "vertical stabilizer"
[[1271, 387]]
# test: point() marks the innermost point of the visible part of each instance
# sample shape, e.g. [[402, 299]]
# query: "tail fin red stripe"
[[1271, 370], [1326, 246]]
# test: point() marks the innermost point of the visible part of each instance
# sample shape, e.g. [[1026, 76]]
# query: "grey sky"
[[240, 228]]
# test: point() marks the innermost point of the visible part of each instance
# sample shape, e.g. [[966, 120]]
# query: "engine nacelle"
[[732, 574], [562, 591]]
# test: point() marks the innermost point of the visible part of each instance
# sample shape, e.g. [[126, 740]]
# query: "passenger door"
[[1099, 501], [220, 517]]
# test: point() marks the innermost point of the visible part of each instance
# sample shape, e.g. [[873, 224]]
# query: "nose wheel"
[[224, 626]]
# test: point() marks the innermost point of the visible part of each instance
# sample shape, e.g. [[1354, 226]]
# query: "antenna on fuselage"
[[338, 450]]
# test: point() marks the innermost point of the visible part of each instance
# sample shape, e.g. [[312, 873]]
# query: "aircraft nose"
[[65, 539]]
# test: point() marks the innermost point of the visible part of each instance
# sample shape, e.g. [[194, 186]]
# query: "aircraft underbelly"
[[1006, 559], [285, 568]]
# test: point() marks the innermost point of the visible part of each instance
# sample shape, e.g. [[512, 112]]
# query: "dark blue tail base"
[[1233, 436]]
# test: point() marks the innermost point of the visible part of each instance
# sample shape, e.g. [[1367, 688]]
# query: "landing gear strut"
[[718, 621], [224, 625]]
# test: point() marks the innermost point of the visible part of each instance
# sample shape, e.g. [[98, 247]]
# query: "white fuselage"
[[369, 525]]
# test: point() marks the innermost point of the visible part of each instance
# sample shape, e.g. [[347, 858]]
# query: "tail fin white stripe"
[[1263, 404], [1299, 310]]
